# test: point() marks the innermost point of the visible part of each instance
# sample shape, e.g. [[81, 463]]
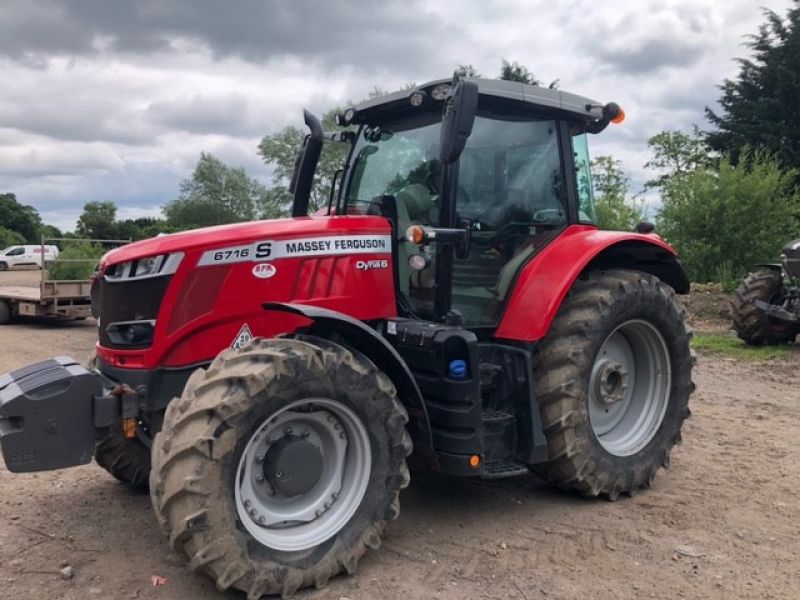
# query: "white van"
[[20, 256]]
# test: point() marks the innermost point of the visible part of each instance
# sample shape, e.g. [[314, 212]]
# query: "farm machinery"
[[454, 306], [765, 308]]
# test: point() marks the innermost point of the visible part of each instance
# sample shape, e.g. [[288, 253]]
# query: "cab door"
[[512, 191]]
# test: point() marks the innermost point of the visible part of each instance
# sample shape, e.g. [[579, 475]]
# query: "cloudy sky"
[[115, 100]]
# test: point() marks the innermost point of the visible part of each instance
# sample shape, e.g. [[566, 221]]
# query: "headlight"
[[131, 333], [440, 91], [143, 268], [417, 98], [148, 266]]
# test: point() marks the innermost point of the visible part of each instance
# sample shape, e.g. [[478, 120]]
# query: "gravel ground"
[[720, 524]]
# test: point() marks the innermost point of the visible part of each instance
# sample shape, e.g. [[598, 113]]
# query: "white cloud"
[[116, 101]]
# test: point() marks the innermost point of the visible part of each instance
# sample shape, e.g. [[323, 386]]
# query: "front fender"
[[544, 281], [325, 322]]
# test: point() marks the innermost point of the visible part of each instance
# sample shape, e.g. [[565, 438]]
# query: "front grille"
[[134, 300]]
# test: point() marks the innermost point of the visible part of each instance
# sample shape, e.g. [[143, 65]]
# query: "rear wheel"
[[750, 323], [280, 465], [613, 380], [5, 312]]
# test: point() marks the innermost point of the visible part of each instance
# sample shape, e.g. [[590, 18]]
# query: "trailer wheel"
[[5, 312], [613, 379], [128, 460], [750, 323], [280, 465]]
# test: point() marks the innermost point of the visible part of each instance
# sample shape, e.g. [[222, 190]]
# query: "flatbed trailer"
[[50, 299]]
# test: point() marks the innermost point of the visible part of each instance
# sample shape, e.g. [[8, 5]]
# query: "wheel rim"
[[303, 474], [629, 388]]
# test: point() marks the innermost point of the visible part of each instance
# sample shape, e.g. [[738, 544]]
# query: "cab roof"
[[512, 95]]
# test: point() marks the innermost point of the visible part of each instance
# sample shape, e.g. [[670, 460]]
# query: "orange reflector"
[[474, 461], [619, 118], [129, 428], [415, 234]]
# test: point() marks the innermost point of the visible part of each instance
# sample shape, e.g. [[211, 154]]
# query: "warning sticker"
[[301, 247], [244, 336]]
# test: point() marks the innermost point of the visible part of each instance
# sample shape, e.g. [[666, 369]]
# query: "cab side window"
[[16, 251]]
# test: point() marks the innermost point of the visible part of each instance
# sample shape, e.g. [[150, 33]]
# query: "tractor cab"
[[521, 177]]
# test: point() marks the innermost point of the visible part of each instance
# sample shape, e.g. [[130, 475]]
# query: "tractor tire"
[[750, 323], [243, 448], [128, 460], [613, 379], [5, 312]]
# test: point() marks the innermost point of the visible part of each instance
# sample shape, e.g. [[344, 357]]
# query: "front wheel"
[[128, 460], [280, 465], [3, 266], [613, 379]]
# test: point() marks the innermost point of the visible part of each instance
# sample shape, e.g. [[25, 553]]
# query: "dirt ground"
[[721, 523]]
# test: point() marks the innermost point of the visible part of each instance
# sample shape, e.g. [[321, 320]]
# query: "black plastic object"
[[460, 107], [453, 404], [306, 165], [46, 415]]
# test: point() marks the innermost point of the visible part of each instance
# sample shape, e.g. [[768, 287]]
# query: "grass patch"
[[724, 343]]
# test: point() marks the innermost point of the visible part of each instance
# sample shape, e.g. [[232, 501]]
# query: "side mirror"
[[460, 107]]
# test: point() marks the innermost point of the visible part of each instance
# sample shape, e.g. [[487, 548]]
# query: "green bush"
[[10, 238], [63, 269], [724, 220]]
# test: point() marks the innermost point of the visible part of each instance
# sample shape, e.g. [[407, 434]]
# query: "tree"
[[760, 106], [613, 209], [468, 72], [216, 194], [9, 237], [51, 231], [98, 221], [676, 154], [514, 71], [18, 217], [279, 151], [142, 228], [724, 220]]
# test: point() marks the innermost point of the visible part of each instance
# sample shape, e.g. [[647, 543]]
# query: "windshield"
[[387, 159]]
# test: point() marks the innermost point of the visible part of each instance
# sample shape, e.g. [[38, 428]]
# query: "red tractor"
[[454, 304]]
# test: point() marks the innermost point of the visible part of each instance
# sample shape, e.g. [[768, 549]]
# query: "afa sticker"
[[264, 270], [244, 336]]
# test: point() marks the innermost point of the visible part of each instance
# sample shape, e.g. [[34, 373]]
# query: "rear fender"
[[544, 281], [331, 324], [771, 266]]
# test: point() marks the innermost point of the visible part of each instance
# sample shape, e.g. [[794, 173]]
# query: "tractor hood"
[[241, 233]]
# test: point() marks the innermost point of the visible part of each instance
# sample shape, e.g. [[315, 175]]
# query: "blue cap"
[[458, 369]]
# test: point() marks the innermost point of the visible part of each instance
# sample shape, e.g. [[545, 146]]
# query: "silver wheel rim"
[[629, 388], [298, 522]]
